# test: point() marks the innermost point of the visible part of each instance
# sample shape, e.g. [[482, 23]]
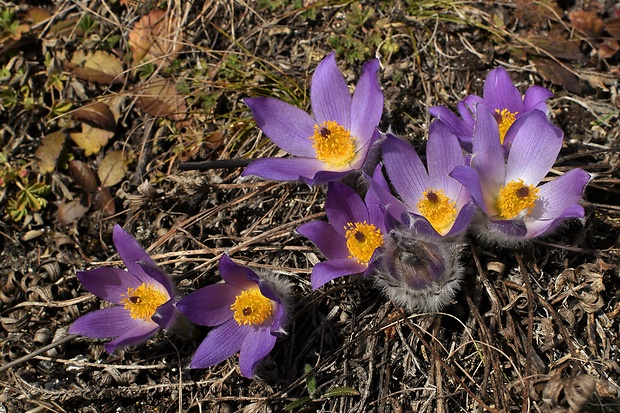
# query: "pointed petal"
[[405, 170], [158, 275], [325, 271], [343, 205], [329, 94], [221, 343], [375, 207], [108, 283], [257, 344], [535, 98], [470, 179], [367, 103], [461, 223], [331, 243], [500, 93], [488, 153], [105, 323], [136, 335], [449, 118], [443, 153], [286, 125], [239, 276], [557, 195], [285, 169], [166, 315], [131, 253], [210, 305], [534, 149], [389, 202]]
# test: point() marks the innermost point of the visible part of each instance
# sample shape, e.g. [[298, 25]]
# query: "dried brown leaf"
[[83, 176], [98, 67], [160, 98], [112, 169], [91, 139], [70, 211], [36, 15], [49, 151], [104, 201], [613, 27], [586, 21], [556, 73], [155, 37], [97, 113]]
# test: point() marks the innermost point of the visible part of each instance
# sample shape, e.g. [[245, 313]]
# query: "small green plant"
[[312, 393], [31, 192]]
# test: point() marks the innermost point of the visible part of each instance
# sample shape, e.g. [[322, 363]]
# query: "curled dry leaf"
[[156, 38], [70, 211], [159, 97], [98, 67], [91, 139], [49, 151], [112, 169], [98, 114], [104, 202]]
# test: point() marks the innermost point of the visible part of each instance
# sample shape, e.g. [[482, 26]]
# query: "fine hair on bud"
[[284, 289], [419, 272]]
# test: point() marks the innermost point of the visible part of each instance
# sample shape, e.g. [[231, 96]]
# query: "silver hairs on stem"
[[419, 272]]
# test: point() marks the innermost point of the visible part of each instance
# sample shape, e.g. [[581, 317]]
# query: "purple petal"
[[221, 343], [389, 202], [557, 195], [405, 170], [343, 205], [534, 149], [456, 125], [285, 169], [329, 94], [107, 322], [287, 126], [325, 271], [158, 275], [324, 177], [500, 93], [239, 276], [166, 315], [257, 344], [132, 253], [135, 336], [470, 179], [210, 305], [367, 103], [443, 153], [488, 153], [535, 98], [331, 243], [462, 219], [542, 227], [375, 207], [108, 283]]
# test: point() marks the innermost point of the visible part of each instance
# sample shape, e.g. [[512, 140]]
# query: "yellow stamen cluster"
[[362, 240], [515, 198], [142, 301], [507, 118], [438, 209], [251, 307], [333, 144]]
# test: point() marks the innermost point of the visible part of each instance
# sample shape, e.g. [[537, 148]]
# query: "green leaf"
[[297, 403], [340, 391], [310, 379]]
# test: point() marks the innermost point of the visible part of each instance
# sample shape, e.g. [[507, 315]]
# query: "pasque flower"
[[333, 142], [505, 101], [355, 230], [247, 312], [432, 201], [517, 208], [417, 271], [144, 297]]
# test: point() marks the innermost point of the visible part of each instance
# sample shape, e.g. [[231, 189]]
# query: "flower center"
[[251, 307], [142, 302], [333, 144], [505, 119], [438, 209], [516, 197], [362, 240]]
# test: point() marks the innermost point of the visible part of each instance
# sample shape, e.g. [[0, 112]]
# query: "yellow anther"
[[333, 144], [516, 198], [251, 307], [438, 209], [362, 240], [143, 301], [505, 121]]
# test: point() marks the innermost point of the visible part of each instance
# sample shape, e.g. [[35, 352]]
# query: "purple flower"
[[247, 312], [333, 142], [505, 101], [144, 297], [433, 202], [356, 229], [508, 192]]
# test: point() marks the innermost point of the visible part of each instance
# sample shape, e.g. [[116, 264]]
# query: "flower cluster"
[[485, 172]]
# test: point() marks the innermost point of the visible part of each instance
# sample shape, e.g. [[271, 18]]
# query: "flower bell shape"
[[505, 101], [143, 297], [333, 142], [515, 206], [419, 272], [247, 312], [433, 202], [355, 230]]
